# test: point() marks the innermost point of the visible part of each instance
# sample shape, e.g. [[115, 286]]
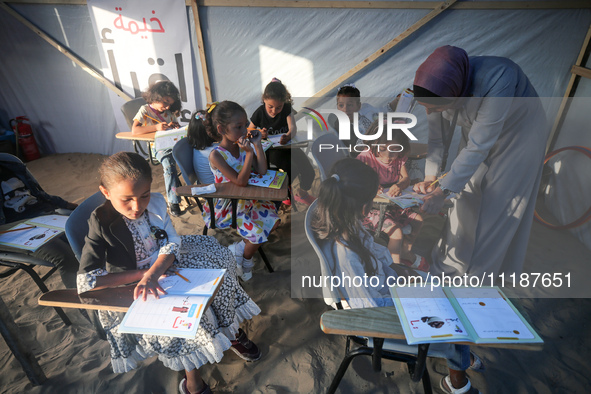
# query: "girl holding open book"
[[344, 199], [388, 157], [239, 153], [131, 239]]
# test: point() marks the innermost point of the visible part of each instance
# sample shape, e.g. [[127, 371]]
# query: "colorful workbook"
[[33, 233], [273, 179], [177, 313], [166, 139], [460, 314]]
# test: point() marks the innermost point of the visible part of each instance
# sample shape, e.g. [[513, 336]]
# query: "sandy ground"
[[297, 356]]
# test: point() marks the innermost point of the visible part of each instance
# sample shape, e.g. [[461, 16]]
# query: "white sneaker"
[[237, 250], [247, 266]]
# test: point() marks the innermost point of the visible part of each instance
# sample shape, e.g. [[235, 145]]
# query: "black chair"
[[130, 109], [76, 230], [16, 260], [327, 157]]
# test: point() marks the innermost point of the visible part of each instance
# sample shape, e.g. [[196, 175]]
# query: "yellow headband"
[[211, 107]]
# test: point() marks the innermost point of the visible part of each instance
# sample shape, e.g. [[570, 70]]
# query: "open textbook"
[[460, 314], [33, 233], [166, 139], [177, 313]]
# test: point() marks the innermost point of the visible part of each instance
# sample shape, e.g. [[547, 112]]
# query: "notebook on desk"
[[33, 233], [460, 314], [272, 179]]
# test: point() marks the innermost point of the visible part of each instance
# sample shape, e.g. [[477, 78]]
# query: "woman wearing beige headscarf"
[[497, 170]]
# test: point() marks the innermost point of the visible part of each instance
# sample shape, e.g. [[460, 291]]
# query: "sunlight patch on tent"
[[296, 73]]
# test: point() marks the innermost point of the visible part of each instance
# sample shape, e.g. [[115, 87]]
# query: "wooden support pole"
[[64, 50], [373, 57], [463, 5], [408, 5], [570, 91], [581, 71], [201, 46]]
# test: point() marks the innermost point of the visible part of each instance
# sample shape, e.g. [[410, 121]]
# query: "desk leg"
[[234, 207], [28, 361], [381, 220], [376, 356], [419, 368]]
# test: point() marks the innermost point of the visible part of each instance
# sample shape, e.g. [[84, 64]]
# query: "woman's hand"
[[433, 202], [423, 187], [147, 285], [394, 191], [264, 133]]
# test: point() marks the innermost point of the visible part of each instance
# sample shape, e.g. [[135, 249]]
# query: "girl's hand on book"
[[161, 126], [394, 191], [147, 285], [264, 132]]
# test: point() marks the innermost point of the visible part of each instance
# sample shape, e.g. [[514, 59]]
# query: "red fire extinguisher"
[[24, 135]]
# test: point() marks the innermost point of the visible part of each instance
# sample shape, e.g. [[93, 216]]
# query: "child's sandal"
[[183, 388]]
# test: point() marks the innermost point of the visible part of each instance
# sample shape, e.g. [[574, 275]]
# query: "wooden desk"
[[128, 135], [147, 138], [234, 192], [113, 299], [117, 299], [383, 322]]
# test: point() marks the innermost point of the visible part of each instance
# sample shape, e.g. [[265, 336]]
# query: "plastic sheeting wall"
[[305, 48]]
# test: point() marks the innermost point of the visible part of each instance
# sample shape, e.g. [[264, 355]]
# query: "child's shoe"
[[175, 210], [245, 348], [247, 265], [237, 250], [420, 263]]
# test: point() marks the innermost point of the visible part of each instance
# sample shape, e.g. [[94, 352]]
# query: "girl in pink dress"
[[402, 226]]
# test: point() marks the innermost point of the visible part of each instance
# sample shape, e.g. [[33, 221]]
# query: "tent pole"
[[576, 73], [367, 61], [201, 46], [64, 50], [463, 5]]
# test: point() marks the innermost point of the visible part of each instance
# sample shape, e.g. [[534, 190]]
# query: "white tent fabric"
[[306, 48]]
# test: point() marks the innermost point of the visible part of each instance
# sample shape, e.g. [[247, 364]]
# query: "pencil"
[[437, 180], [155, 120], [17, 229], [182, 277]]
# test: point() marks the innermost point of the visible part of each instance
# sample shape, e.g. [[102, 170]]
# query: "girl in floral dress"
[[239, 153], [131, 239]]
